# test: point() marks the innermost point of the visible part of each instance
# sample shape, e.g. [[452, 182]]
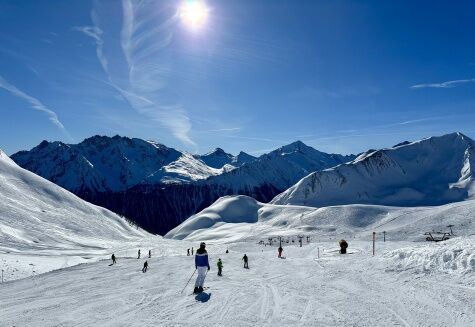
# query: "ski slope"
[[303, 289]]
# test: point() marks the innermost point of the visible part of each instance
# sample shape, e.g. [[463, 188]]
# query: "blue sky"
[[342, 76]]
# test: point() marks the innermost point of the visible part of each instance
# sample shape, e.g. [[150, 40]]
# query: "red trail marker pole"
[[374, 240]]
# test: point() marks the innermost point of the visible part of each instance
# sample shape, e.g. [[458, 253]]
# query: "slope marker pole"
[[374, 240]]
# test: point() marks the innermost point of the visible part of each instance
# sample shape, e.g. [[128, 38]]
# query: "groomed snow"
[[305, 289]]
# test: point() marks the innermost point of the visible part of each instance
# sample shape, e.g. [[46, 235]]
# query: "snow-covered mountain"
[[112, 164], [98, 163], [38, 215], [432, 171], [278, 169], [159, 187], [115, 164]]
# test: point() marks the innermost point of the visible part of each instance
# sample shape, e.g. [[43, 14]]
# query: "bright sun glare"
[[193, 13]]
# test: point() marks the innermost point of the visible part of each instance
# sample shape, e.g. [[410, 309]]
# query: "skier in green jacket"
[[220, 267]]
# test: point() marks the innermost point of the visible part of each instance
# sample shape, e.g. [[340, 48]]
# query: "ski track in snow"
[[302, 290]]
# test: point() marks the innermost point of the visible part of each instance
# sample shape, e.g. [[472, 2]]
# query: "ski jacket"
[[201, 258], [220, 264]]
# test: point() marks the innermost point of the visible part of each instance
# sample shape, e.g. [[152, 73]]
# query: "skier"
[[192, 251], [202, 265], [138, 257], [145, 266], [227, 251], [188, 252], [220, 267], [113, 258], [149, 253], [246, 263], [343, 246], [279, 250]]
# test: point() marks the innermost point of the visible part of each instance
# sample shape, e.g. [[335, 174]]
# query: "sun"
[[193, 13]]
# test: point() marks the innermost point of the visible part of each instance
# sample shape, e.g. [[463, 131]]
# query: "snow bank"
[[454, 256], [229, 209]]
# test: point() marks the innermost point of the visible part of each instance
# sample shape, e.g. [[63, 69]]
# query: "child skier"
[[220, 267], [202, 265]]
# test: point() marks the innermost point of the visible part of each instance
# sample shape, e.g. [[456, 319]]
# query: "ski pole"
[[188, 281]]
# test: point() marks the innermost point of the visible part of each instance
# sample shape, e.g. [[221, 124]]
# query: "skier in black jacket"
[[246, 261]]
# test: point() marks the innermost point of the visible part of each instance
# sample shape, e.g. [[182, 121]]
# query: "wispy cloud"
[[137, 64], [34, 102], [96, 33], [444, 85]]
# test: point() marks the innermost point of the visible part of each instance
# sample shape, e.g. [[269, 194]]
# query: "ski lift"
[[437, 237]]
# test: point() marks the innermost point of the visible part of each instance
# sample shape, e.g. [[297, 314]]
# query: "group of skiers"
[[145, 264], [202, 262]]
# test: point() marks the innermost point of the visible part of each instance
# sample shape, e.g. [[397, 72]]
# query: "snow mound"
[[229, 209], [453, 256], [241, 217]]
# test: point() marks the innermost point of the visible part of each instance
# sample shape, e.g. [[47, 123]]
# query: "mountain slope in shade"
[[219, 158], [432, 171]]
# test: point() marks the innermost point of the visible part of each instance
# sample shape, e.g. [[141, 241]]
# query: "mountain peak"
[[217, 151], [297, 146]]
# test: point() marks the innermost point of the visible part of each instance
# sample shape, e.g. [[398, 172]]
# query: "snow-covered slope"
[[305, 289], [432, 171], [278, 169], [183, 170], [40, 218], [239, 217]]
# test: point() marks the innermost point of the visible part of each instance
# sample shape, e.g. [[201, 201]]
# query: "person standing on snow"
[[149, 254], [192, 251], [343, 246], [188, 252], [220, 267], [113, 258], [145, 266], [138, 256], [280, 250], [202, 265], [246, 263]]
